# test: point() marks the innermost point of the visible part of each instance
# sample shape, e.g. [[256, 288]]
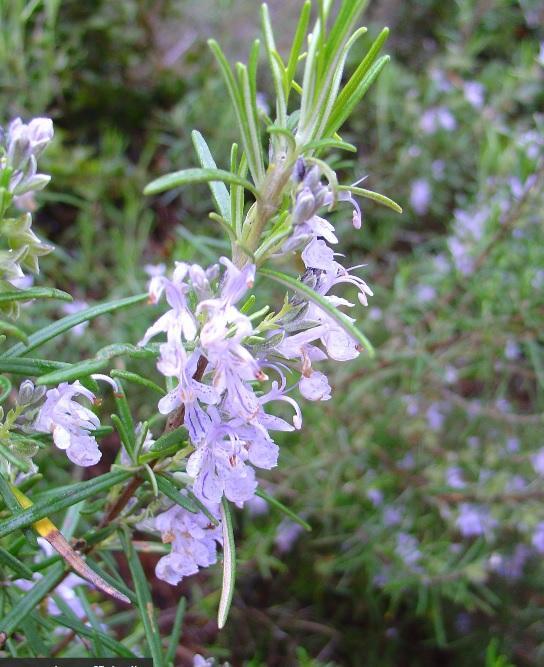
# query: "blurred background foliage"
[[423, 478]]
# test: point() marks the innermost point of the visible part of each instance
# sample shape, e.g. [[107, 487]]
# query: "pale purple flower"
[[512, 445], [538, 538], [470, 225], [200, 661], [220, 464], [315, 387], [435, 417], [474, 520], [451, 374], [392, 516], [70, 423], [256, 506], [188, 392], [462, 259], [511, 350], [425, 293], [437, 118], [538, 279], [438, 168], [538, 462], [441, 264], [411, 404], [474, 93], [510, 566], [454, 477], [287, 534], [407, 549], [25, 143], [179, 320], [194, 542], [375, 314], [441, 80], [420, 195], [375, 496]]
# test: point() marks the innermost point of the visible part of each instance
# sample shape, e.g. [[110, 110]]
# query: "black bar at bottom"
[[76, 662]]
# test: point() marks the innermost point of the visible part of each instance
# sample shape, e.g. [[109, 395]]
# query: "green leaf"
[[220, 193], [359, 74], [144, 601], [175, 633], [125, 414], [127, 349], [137, 379], [334, 313], [13, 458], [15, 564], [73, 372], [5, 388], [187, 176], [32, 599], [282, 508], [29, 366], [56, 502], [167, 444], [13, 505], [229, 565], [342, 110], [172, 492], [70, 321], [11, 330], [83, 630], [328, 143], [375, 196], [34, 293], [298, 40], [255, 166]]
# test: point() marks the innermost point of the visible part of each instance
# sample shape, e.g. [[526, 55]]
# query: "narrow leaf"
[[145, 603], [137, 379], [375, 196], [188, 176], [229, 565], [220, 193], [52, 504], [73, 372], [5, 388], [20, 569], [172, 492], [34, 293], [175, 633], [11, 330], [32, 599], [282, 508], [30, 367], [69, 322]]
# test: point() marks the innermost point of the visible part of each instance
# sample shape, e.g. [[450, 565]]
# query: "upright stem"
[[272, 191]]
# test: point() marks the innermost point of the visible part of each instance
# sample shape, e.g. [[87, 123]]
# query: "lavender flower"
[[287, 534], [538, 538], [474, 520], [194, 542], [407, 549], [420, 196], [70, 423]]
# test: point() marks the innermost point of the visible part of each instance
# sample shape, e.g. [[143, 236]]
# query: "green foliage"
[[344, 589]]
